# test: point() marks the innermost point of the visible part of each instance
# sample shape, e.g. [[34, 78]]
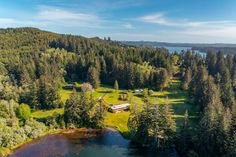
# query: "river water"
[[86, 143]]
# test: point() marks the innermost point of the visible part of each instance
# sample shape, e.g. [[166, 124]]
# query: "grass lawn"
[[47, 113], [172, 96], [118, 121]]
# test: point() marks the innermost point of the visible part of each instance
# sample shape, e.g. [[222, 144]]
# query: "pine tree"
[[211, 62], [93, 77], [187, 79], [163, 79], [72, 111], [197, 87], [116, 85], [229, 62], [42, 93], [184, 142], [233, 73], [220, 63], [211, 133], [227, 95]]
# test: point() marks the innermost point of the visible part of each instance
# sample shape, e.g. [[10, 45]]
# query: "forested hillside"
[[35, 65]]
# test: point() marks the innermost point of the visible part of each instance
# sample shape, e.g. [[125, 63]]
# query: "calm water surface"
[[90, 143], [180, 49]]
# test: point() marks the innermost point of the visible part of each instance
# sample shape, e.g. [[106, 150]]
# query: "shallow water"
[[89, 143]]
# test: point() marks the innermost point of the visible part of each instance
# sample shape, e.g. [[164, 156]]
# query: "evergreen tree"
[[153, 125], [42, 93], [83, 111], [227, 95], [211, 62], [93, 77], [72, 111], [212, 133], [197, 87], [184, 142], [187, 79], [233, 73], [163, 79], [116, 85]]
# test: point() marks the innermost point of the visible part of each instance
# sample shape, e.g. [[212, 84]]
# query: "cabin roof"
[[114, 107]]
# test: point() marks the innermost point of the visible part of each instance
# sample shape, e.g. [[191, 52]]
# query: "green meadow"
[[173, 96]]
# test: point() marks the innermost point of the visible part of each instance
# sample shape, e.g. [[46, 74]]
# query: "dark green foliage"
[[23, 112], [34, 63], [215, 97], [163, 79], [196, 88], [187, 79], [55, 121], [227, 95], [93, 77], [212, 133], [83, 111], [116, 85], [184, 142], [211, 62], [152, 126]]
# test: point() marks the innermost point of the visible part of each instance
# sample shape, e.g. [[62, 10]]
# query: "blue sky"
[[198, 21]]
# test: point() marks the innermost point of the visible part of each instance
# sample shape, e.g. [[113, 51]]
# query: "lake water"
[[89, 143], [180, 49]]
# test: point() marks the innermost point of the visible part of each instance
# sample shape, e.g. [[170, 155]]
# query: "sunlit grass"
[[47, 113], [118, 121], [172, 96]]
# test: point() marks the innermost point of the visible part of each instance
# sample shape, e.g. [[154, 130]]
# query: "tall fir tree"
[[93, 77], [116, 85]]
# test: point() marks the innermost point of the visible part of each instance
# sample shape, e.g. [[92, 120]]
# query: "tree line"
[[210, 83], [34, 64]]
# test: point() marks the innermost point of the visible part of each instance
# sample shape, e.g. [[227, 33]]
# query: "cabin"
[[120, 107], [69, 86]]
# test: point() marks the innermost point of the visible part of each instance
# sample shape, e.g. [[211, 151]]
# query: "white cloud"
[[10, 22], [188, 30], [7, 21], [161, 19], [55, 14], [68, 18], [128, 26]]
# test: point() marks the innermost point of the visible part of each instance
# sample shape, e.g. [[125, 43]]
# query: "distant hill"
[[225, 48]]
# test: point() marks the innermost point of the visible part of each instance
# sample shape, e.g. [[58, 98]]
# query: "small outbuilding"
[[120, 107]]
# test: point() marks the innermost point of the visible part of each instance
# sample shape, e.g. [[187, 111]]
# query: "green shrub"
[[10, 136], [23, 112], [34, 129]]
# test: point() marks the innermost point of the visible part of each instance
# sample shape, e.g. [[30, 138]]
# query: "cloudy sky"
[[198, 21]]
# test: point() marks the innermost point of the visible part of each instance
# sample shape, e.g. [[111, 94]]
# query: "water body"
[[180, 49], [89, 143]]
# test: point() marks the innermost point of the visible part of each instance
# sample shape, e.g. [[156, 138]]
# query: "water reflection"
[[81, 143]]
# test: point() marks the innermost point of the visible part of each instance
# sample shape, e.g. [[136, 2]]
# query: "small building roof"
[[115, 107]]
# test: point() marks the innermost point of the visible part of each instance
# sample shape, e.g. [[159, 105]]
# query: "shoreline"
[[4, 152]]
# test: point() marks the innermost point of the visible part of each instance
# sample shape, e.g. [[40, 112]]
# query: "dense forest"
[[34, 64]]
